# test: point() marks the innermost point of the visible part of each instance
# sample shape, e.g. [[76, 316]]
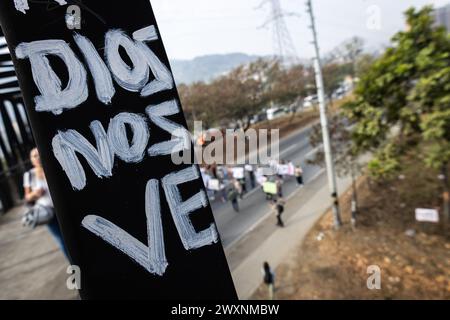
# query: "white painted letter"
[[100, 73], [53, 98], [118, 140], [153, 257], [163, 77], [181, 210], [65, 144], [182, 140]]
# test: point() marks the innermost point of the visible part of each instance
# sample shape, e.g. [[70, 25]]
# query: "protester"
[[279, 174], [251, 174], [299, 175], [279, 183], [233, 198], [37, 193], [278, 207], [243, 183], [238, 187]]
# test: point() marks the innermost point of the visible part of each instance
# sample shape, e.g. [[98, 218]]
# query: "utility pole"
[[324, 122]]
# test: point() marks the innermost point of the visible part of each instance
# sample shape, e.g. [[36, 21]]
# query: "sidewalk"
[[269, 243], [31, 264]]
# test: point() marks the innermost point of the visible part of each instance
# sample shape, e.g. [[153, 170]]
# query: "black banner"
[[106, 117]]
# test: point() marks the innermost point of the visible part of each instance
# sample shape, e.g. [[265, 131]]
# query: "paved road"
[[254, 207]]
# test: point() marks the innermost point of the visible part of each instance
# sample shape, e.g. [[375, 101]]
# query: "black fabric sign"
[[107, 120]]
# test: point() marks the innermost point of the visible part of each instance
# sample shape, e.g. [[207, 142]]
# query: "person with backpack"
[[269, 279], [37, 196]]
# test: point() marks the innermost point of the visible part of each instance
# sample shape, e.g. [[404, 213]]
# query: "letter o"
[[118, 139]]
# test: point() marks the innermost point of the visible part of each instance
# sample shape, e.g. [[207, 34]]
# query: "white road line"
[[313, 151], [289, 149]]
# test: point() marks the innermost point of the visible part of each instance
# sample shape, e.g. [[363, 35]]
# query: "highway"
[[254, 207]]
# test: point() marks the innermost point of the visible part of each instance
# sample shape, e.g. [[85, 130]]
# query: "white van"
[[309, 101], [274, 113]]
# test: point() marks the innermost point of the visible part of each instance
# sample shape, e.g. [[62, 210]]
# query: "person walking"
[[238, 187], [233, 198], [279, 183], [299, 175], [269, 279], [243, 184], [278, 207], [37, 194], [251, 174]]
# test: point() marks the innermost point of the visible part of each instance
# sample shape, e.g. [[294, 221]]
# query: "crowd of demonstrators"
[[228, 183], [232, 183]]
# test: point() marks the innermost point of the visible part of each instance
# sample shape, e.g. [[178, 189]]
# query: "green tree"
[[402, 101], [333, 76]]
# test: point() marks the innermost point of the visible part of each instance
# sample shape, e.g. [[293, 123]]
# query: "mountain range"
[[205, 68]]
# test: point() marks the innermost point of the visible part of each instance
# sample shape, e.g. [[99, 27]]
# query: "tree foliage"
[[402, 101]]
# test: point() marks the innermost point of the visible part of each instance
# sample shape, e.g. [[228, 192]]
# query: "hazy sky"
[[192, 28]]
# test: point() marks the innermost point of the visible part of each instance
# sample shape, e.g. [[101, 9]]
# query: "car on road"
[[310, 101], [274, 113]]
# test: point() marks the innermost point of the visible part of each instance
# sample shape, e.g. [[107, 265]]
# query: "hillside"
[[205, 68]]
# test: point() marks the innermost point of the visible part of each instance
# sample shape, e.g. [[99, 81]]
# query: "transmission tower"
[[283, 45]]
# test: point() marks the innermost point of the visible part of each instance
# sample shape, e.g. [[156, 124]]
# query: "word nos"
[[68, 145]]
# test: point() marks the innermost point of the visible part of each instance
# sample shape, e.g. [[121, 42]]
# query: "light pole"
[[324, 122]]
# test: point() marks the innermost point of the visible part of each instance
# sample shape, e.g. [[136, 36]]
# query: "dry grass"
[[415, 267]]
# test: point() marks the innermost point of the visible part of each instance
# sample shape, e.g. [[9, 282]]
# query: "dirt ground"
[[414, 257]]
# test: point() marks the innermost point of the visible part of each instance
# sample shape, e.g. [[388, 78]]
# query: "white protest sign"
[[283, 169], [427, 215], [238, 173], [213, 184]]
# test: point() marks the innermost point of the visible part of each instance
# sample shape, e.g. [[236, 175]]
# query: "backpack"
[[280, 208], [36, 214]]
